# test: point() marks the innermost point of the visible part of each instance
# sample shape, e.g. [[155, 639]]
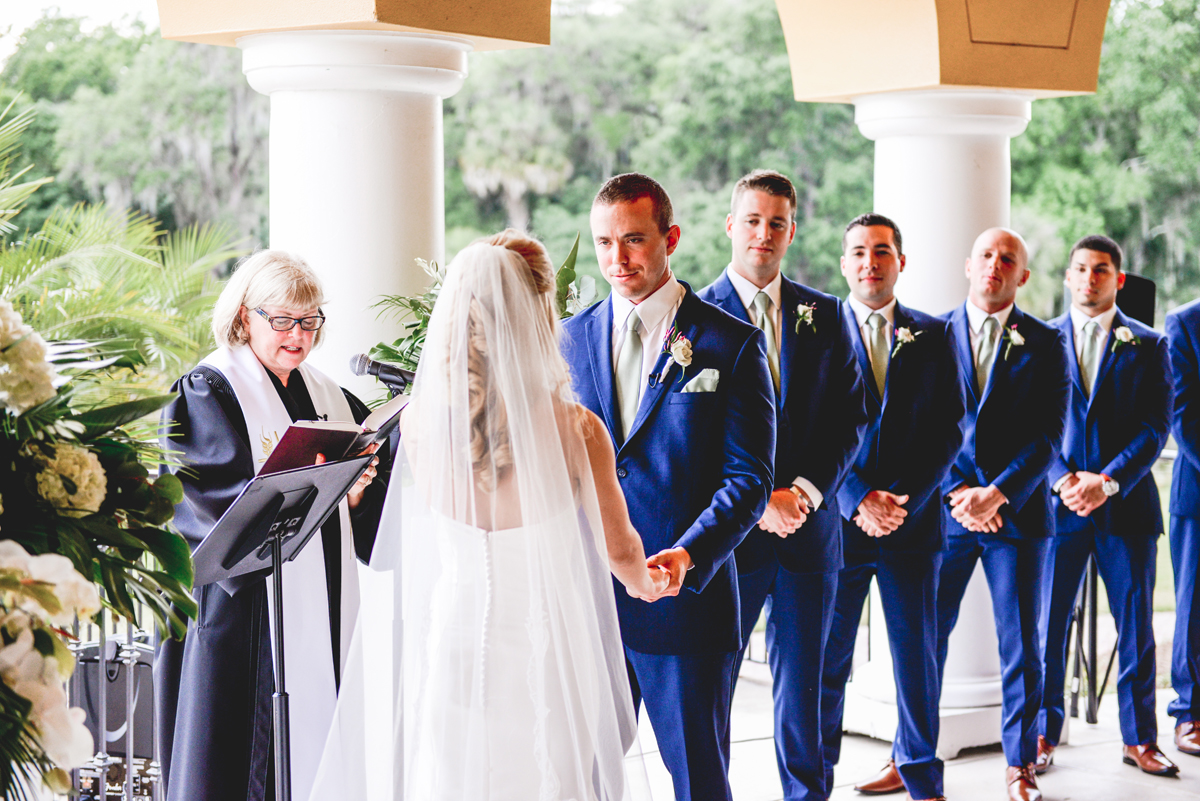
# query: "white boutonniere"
[[903, 337], [1123, 336], [804, 317], [1014, 339], [679, 348]]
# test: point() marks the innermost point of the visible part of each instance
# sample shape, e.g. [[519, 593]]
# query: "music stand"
[[269, 523]]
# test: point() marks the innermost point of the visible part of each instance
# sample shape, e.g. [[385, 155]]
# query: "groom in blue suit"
[[890, 502], [1108, 504], [1183, 333], [998, 509], [685, 391], [790, 561]]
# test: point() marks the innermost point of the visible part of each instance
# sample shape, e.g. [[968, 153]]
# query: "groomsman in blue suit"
[[686, 394], [1108, 504], [998, 507], [891, 503], [791, 560], [1183, 334]]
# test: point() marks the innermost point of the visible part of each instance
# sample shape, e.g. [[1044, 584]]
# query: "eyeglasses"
[[287, 323]]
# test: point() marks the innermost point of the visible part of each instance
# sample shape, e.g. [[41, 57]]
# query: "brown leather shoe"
[[1187, 737], [910, 798], [1149, 759], [1022, 785], [1045, 756], [886, 781]]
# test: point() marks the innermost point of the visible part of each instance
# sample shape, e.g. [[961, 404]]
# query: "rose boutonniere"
[[679, 348], [1013, 339], [1123, 336], [903, 337], [804, 317]]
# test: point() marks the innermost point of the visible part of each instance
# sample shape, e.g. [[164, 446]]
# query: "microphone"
[[396, 378]]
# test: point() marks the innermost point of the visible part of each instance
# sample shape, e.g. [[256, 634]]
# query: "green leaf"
[[105, 419], [172, 552], [564, 279]]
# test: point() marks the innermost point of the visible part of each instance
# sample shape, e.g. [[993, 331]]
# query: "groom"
[[685, 391]]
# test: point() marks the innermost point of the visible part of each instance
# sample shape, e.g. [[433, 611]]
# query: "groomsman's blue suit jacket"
[[696, 469], [821, 420], [914, 430], [1120, 430], [1015, 430], [1182, 325]]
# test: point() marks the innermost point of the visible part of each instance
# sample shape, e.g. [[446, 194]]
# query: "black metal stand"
[[1086, 657], [279, 701]]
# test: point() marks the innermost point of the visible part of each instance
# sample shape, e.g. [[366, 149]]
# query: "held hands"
[[977, 508], [355, 495], [881, 513], [674, 564], [786, 512], [1082, 492], [658, 579]]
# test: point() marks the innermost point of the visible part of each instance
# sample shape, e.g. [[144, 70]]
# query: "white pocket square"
[[705, 381]]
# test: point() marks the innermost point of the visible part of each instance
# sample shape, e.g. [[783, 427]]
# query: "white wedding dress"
[[505, 678]]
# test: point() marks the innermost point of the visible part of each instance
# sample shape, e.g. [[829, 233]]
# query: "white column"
[[943, 173], [356, 167]]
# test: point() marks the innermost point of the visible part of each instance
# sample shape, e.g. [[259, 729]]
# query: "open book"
[[300, 444]]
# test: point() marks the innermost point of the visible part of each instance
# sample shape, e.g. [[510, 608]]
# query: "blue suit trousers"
[[687, 698], [1013, 566], [908, 590], [1127, 566], [799, 614], [1185, 651]]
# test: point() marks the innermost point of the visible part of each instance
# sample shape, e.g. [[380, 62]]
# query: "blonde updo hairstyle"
[[265, 278], [491, 449]]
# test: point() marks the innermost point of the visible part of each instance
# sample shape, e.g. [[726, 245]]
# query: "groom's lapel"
[[600, 334], [666, 372]]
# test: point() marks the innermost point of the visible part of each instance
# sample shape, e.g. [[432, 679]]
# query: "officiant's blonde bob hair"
[[265, 278]]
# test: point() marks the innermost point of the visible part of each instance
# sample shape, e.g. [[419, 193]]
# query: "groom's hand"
[[677, 562]]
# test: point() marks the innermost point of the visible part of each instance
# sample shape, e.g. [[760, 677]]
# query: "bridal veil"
[[487, 661]]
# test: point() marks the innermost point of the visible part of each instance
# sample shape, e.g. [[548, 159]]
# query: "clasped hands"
[[667, 571], [786, 511], [977, 508], [1083, 492], [881, 512]]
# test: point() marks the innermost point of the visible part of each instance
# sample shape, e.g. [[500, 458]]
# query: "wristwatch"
[[1110, 487]]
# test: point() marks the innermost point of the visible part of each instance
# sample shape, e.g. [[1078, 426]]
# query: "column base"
[[960, 728]]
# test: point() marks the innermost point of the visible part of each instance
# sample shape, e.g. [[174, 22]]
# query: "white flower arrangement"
[[72, 480], [681, 351], [904, 337], [1013, 338], [26, 377], [804, 317], [1122, 335]]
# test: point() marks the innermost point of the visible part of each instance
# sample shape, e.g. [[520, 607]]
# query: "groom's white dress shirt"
[[747, 292], [657, 313]]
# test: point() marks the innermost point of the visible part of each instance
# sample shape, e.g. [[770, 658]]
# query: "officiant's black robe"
[[213, 690]]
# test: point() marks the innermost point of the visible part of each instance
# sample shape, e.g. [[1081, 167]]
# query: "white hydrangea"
[[26, 378], [80, 467]]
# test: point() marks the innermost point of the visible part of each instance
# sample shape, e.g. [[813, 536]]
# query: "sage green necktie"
[[762, 306], [985, 357], [877, 349], [1089, 355], [629, 372]]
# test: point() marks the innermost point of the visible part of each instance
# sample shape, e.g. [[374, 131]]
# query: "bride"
[[501, 528]]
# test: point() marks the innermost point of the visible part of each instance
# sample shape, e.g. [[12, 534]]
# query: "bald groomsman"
[[790, 561], [1183, 332], [891, 504], [1108, 504], [998, 509]]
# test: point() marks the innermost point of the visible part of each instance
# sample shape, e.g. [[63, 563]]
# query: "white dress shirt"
[[747, 292], [1080, 319], [975, 318], [657, 313], [862, 311]]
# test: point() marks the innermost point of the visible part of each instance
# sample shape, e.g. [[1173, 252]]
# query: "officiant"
[[213, 690]]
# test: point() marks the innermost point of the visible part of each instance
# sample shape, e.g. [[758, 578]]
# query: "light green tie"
[[985, 357], [1089, 355], [762, 305], [877, 349], [629, 372]]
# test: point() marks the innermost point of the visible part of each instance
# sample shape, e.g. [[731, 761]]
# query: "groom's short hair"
[[768, 181], [871, 219], [632, 187]]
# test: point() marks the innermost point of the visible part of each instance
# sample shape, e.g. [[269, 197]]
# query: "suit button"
[[622, 472]]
